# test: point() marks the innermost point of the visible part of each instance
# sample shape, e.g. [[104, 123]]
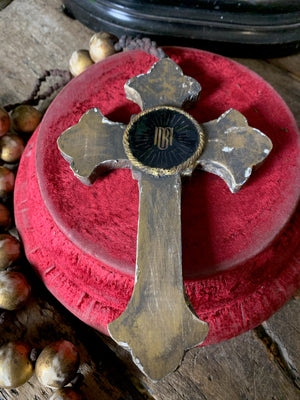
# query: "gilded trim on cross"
[[160, 144]]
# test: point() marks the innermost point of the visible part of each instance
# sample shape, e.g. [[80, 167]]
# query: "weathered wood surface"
[[263, 364]]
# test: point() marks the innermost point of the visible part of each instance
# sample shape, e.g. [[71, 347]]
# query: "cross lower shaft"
[[158, 303]]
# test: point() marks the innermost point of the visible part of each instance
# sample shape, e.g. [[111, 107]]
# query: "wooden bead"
[[25, 118], [10, 250], [15, 365], [80, 60], [12, 147], [4, 121], [66, 394], [14, 290], [5, 218], [7, 181], [57, 364], [102, 46]]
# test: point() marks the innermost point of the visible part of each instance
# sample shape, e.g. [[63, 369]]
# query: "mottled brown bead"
[[7, 181], [80, 60], [4, 121], [14, 290], [57, 364], [10, 250], [25, 118], [66, 394], [5, 218], [102, 46], [11, 148], [15, 366]]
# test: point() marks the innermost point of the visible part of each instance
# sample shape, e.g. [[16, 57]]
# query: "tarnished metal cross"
[[160, 144]]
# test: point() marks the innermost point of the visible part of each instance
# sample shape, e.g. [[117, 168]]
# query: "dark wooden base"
[[256, 27]]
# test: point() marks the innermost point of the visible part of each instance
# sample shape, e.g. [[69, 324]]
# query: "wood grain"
[[259, 365]]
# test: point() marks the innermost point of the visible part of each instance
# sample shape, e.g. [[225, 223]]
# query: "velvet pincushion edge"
[[231, 302]]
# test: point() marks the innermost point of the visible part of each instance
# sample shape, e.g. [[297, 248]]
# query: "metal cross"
[[160, 144]]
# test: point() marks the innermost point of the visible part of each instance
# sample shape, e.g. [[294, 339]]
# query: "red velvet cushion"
[[240, 251]]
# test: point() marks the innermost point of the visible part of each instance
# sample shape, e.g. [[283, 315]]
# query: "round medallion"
[[163, 141]]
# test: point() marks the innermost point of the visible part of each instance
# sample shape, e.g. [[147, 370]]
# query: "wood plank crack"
[[278, 353]]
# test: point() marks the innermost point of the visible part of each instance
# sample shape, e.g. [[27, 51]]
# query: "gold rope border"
[[189, 163]]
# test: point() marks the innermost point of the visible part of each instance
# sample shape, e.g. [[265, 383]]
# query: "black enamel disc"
[[163, 138]]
